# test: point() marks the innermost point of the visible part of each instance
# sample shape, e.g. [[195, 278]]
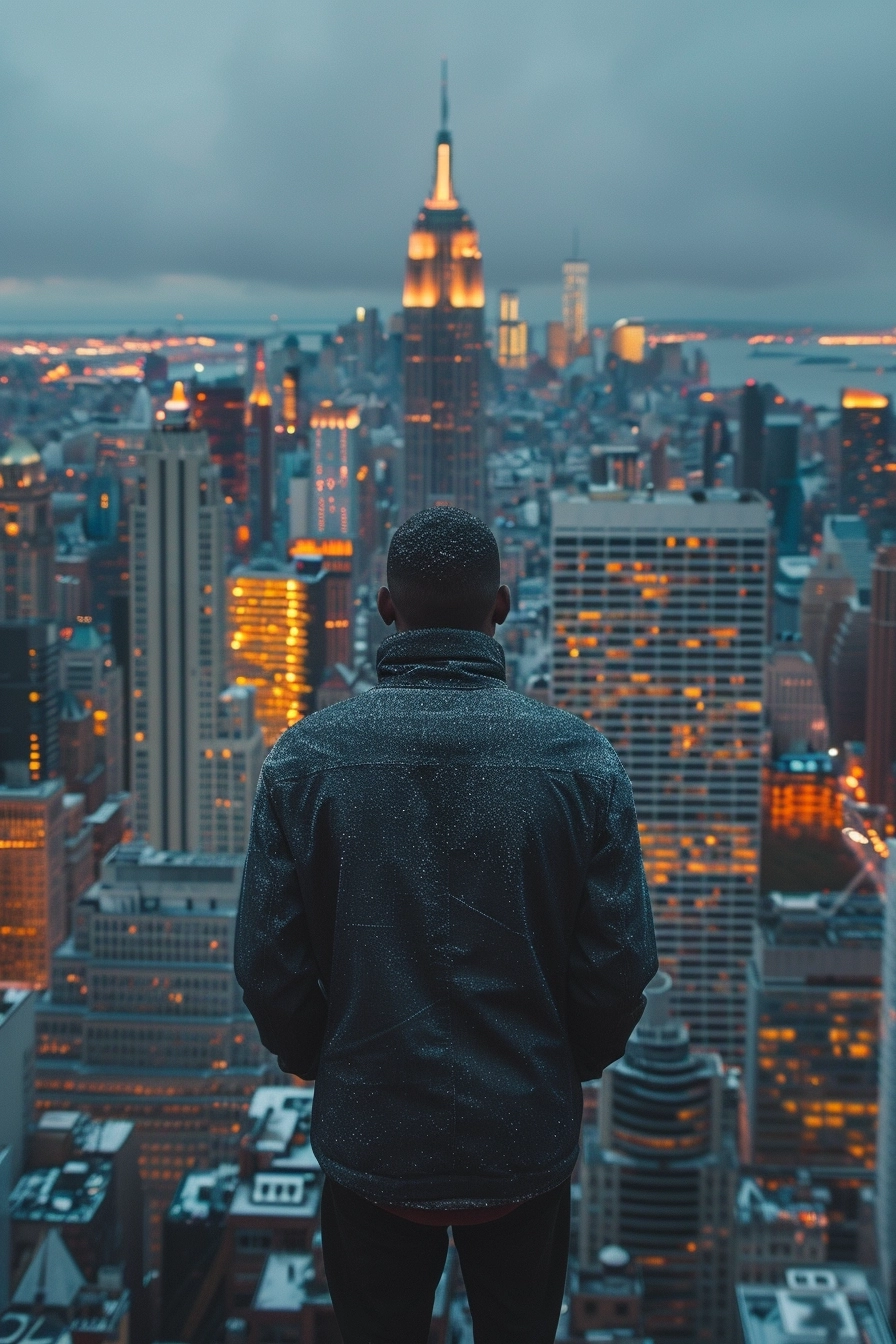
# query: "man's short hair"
[[443, 569]]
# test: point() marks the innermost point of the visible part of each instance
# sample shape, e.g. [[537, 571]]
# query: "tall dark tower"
[[444, 301], [867, 467], [880, 728], [752, 437]]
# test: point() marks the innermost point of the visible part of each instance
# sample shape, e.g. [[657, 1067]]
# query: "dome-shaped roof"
[[19, 453]]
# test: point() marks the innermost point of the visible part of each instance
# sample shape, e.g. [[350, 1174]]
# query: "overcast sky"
[[718, 157]]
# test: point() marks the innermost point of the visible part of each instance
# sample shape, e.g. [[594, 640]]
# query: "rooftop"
[[72, 1193], [284, 1283], [40, 1327], [834, 1305], [204, 1194], [10, 1000], [851, 923], [743, 506], [279, 1194]]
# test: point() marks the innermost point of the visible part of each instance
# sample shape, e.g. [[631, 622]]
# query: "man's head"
[[443, 569]]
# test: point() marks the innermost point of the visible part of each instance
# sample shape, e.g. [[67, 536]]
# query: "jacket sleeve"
[[613, 953], [273, 960]]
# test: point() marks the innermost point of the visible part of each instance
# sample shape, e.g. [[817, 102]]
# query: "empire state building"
[[444, 299]]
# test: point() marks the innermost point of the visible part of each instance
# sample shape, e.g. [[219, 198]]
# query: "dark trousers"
[[383, 1271]]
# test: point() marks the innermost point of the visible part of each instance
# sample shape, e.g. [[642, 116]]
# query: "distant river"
[[732, 362]]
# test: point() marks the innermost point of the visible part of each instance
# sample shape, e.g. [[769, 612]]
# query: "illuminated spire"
[[178, 399], [260, 396], [443, 197], [177, 408]]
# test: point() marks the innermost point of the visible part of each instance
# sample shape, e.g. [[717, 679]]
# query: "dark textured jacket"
[[444, 920]]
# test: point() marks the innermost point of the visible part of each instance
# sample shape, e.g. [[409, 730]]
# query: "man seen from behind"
[[444, 922]]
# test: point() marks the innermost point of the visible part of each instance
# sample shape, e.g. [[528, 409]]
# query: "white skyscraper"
[[177, 653], [659, 622], [575, 304]]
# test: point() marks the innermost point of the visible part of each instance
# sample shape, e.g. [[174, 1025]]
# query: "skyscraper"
[[177, 656], [88, 669], [32, 879], [627, 339], [513, 335], [276, 633], [575, 307], [781, 481], [659, 616], [880, 732], [220, 410], [145, 1021], [793, 702], [752, 437], [661, 1178], [333, 441], [716, 445], [444, 299], [29, 710], [27, 540], [259, 417], [867, 467], [823, 602], [812, 1054]]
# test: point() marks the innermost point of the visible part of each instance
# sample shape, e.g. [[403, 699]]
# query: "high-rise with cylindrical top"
[[880, 730], [444, 299], [660, 1178]]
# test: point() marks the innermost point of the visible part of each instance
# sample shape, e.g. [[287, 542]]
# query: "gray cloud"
[[742, 146]]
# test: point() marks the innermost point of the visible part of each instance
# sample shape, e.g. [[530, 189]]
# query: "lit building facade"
[[556, 349], [627, 340], [259, 419], [811, 1076], [333, 441], [331, 562], [444, 301], [880, 741], [801, 795], [32, 880], [275, 633], [660, 1180], [513, 335], [659, 615], [145, 1021], [177, 653], [220, 410], [575, 307], [29, 705], [27, 536], [867, 467]]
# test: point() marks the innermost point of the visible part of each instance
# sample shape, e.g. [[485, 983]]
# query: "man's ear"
[[385, 606], [502, 605]]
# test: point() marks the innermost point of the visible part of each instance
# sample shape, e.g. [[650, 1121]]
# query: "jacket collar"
[[440, 657]]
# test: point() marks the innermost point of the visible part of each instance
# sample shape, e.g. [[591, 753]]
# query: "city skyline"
[[693, 191]]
